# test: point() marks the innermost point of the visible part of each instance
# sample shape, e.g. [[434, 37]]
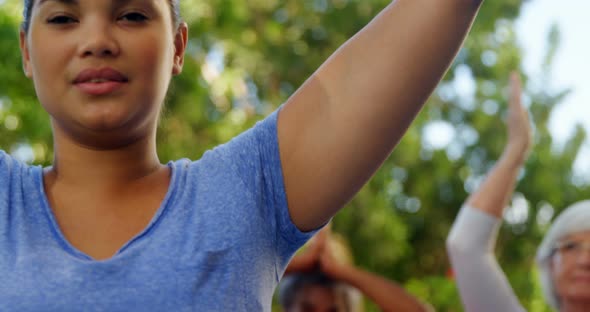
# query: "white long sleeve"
[[482, 284]]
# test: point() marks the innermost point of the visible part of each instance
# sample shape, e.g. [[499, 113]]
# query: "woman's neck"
[[91, 167]]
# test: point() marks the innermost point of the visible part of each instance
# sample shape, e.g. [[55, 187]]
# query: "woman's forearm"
[[384, 293], [495, 192]]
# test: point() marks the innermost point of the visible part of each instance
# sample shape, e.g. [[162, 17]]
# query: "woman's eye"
[[571, 246], [134, 17], [62, 19]]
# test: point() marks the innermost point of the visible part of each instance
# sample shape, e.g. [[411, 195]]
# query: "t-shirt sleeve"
[[11, 175], [482, 284], [4, 175], [8, 168], [257, 160]]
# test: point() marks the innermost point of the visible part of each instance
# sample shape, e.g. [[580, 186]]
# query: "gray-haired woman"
[[563, 256]]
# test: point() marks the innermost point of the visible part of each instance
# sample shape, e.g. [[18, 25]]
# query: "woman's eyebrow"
[[121, 3], [67, 2], [116, 3]]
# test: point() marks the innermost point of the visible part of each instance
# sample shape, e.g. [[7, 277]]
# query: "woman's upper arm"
[[338, 128], [482, 284]]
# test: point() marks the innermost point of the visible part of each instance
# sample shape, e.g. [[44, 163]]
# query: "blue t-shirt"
[[219, 242]]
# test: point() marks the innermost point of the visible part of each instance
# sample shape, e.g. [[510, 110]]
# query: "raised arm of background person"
[[386, 294], [309, 260], [338, 128], [494, 194], [482, 284]]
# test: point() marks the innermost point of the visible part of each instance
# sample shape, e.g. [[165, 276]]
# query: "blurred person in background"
[[323, 279], [563, 257]]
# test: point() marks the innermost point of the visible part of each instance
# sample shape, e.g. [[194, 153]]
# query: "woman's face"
[[101, 69], [570, 267]]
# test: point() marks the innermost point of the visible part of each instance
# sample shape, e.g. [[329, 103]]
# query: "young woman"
[[563, 257], [108, 227]]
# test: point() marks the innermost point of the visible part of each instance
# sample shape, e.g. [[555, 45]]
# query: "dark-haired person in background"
[[323, 279]]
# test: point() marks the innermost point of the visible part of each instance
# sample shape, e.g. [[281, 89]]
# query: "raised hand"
[[309, 260], [519, 128], [386, 294], [328, 263]]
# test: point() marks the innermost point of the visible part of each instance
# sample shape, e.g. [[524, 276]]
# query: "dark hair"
[[28, 7], [292, 284]]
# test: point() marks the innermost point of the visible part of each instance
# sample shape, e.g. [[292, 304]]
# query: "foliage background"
[[246, 57]]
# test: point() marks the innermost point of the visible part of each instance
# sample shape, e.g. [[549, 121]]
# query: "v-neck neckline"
[[71, 249]]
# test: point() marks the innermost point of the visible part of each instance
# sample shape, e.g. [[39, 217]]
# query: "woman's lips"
[[100, 81], [100, 88]]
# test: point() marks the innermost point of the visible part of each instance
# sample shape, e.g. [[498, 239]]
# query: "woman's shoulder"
[[10, 165], [6, 161], [12, 173], [244, 149]]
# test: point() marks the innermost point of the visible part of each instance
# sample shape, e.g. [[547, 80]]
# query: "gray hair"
[[574, 219]]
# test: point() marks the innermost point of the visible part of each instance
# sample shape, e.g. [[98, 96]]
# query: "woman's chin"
[[106, 131], [105, 119]]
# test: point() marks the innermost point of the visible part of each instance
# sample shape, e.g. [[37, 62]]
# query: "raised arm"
[[497, 189], [338, 128], [309, 260], [386, 294], [482, 284]]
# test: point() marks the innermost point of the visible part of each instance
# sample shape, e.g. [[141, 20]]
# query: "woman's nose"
[[98, 40]]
